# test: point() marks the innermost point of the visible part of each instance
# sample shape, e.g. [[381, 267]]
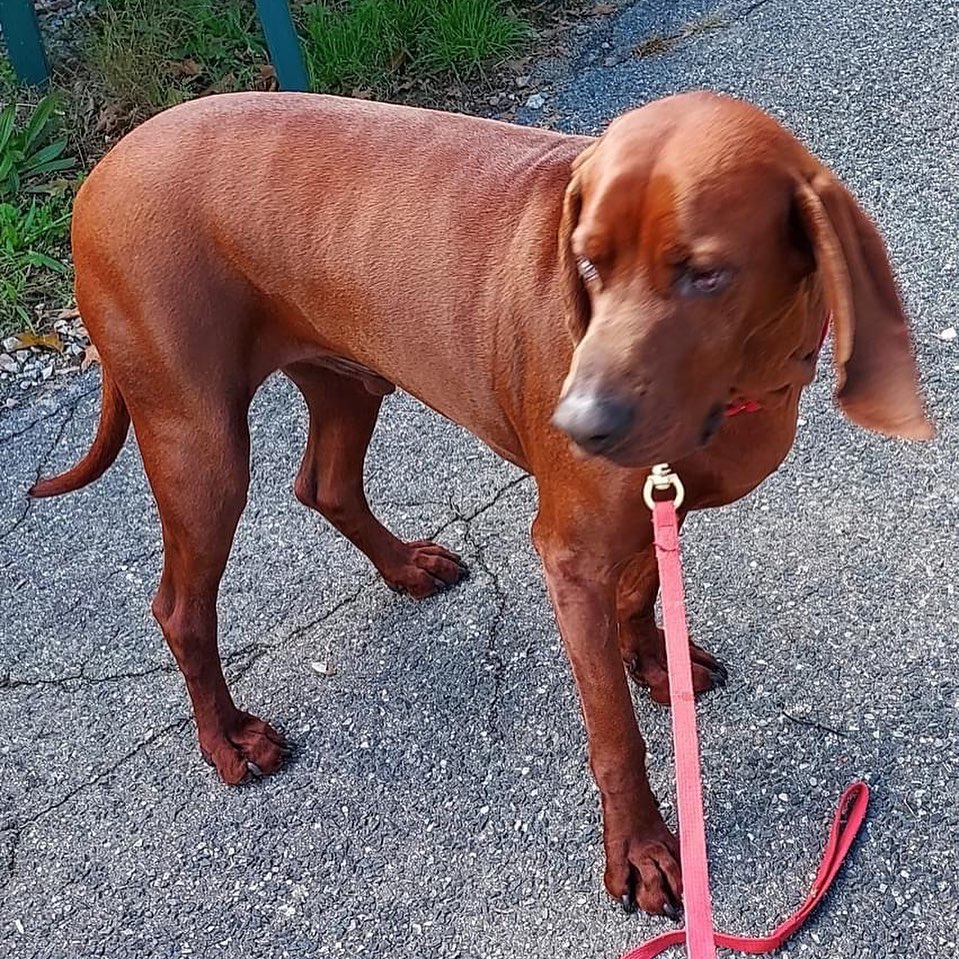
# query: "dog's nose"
[[595, 423]]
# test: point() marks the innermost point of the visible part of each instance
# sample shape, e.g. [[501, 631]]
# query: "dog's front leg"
[[642, 856]]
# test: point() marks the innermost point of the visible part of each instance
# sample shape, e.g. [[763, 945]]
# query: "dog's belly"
[[490, 424]]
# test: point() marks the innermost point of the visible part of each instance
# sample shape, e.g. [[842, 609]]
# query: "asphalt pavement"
[[438, 802]]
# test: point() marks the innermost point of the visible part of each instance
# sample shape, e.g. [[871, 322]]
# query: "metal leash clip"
[[661, 478]]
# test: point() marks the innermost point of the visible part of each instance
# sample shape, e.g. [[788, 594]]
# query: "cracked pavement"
[[437, 802]]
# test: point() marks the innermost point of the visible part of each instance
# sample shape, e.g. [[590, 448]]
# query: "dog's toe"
[[675, 913], [647, 667], [425, 569], [247, 748]]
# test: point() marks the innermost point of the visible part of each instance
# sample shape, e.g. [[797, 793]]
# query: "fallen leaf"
[[265, 78], [91, 355], [185, 68], [223, 85], [111, 118], [601, 9], [45, 341], [70, 313]]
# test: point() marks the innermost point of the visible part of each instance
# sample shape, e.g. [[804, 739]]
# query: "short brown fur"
[[357, 246]]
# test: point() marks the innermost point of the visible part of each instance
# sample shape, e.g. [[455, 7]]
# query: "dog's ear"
[[575, 297], [877, 381]]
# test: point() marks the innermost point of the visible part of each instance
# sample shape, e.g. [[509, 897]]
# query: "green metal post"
[[21, 32], [284, 45]]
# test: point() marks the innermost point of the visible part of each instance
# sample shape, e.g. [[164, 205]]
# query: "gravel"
[[28, 361], [438, 802]]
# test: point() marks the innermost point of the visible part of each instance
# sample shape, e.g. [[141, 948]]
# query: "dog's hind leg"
[[197, 460], [342, 416]]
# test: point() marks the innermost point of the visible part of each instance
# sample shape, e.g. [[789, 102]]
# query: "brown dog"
[[690, 255]]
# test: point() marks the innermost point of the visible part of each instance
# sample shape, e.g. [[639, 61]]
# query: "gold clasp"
[[660, 479]]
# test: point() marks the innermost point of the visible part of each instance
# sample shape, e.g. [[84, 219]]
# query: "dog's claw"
[[254, 769], [672, 912], [629, 907]]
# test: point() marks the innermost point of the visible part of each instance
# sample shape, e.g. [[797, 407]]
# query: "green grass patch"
[[33, 262], [466, 34], [368, 43], [35, 199], [152, 54]]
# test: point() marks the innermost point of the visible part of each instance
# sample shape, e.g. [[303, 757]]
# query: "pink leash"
[[699, 935]]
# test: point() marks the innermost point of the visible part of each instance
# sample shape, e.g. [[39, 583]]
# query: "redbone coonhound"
[[586, 307]]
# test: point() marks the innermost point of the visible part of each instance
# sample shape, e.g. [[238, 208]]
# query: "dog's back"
[[330, 215]]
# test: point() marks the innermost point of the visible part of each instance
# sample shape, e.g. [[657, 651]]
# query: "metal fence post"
[[18, 18], [283, 43]]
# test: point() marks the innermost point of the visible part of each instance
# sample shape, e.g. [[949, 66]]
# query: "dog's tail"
[[111, 435]]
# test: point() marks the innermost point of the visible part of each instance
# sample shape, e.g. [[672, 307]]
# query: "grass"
[[366, 43], [152, 54], [34, 267], [35, 196], [465, 34]]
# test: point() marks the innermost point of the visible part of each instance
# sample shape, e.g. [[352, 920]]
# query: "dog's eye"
[[694, 282]]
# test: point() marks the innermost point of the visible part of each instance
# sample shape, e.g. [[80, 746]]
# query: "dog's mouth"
[[612, 427], [634, 446], [640, 452], [713, 421]]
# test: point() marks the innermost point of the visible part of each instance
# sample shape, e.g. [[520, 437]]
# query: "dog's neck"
[[754, 406]]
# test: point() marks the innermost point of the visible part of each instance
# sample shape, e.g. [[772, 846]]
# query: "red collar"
[[753, 406], [745, 406]]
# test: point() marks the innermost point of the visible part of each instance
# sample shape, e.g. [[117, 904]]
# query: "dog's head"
[[702, 248]]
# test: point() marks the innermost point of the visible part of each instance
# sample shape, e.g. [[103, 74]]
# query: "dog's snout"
[[594, 422]]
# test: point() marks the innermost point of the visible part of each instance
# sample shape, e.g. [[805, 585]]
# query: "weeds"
[[26, 155], [34, 210], [151, 54], [364, 43]]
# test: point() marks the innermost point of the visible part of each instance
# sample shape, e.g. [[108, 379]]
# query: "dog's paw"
[[642, 871], [647, 667], [247, 748], [425, 568]]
